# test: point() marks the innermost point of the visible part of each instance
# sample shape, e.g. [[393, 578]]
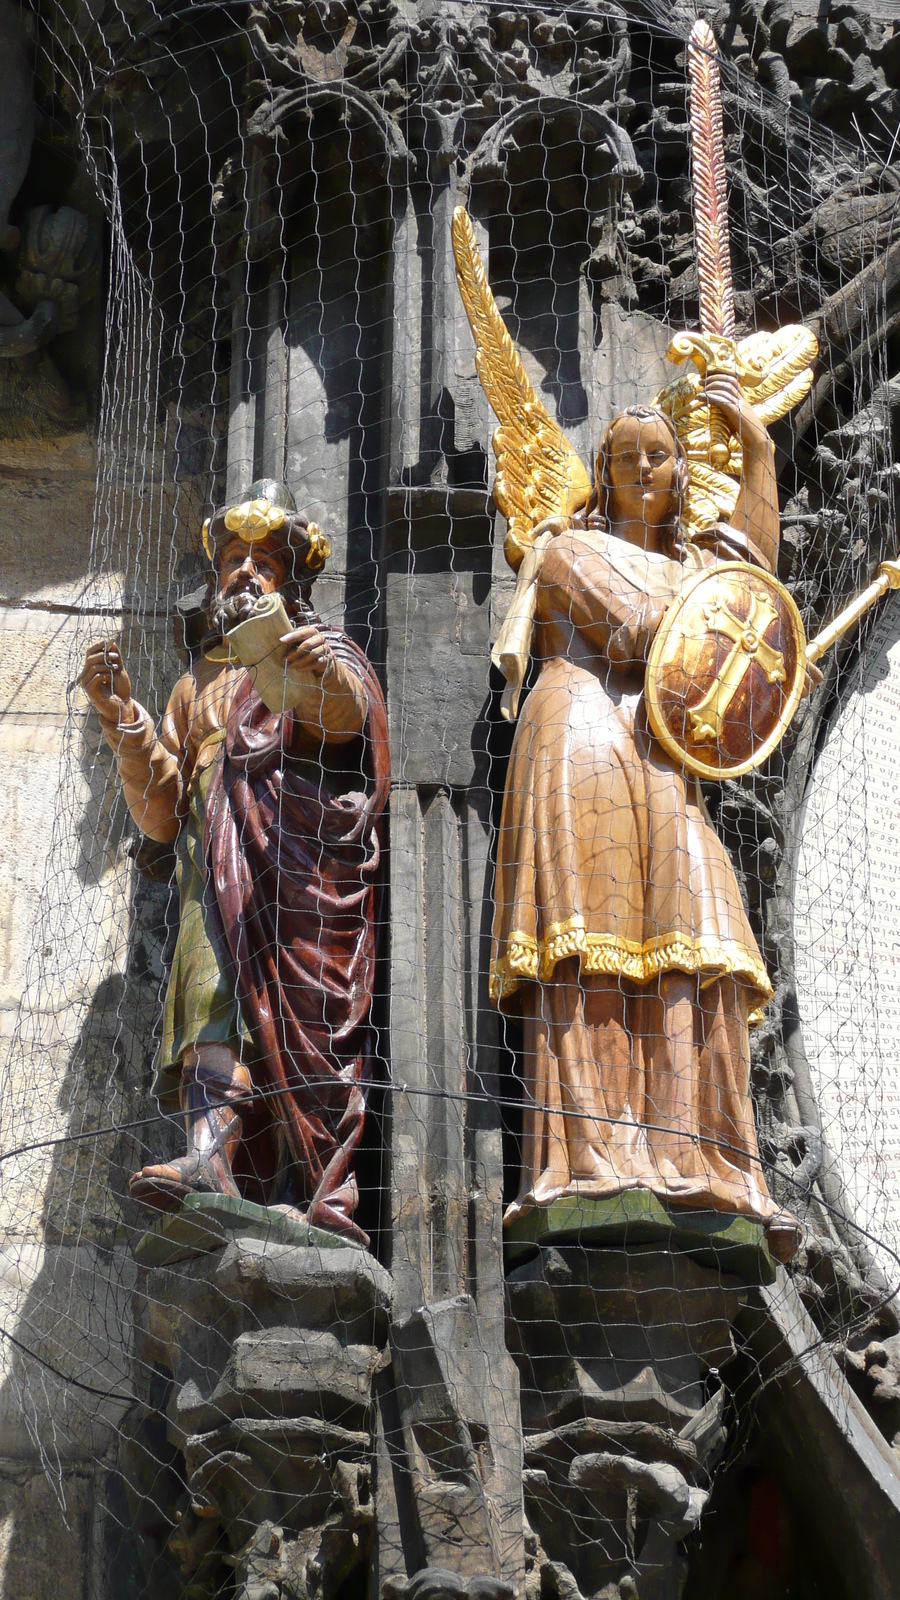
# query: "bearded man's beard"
[[227, 610]]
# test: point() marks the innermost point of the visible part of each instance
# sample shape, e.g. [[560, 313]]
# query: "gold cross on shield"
[[749, 645]]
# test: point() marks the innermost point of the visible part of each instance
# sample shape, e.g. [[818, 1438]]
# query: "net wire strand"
[[146, 524]]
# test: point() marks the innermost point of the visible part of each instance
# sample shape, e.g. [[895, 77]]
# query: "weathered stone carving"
[[442, 1380], [53, 260], [437, 1583], [875, 1373], [59, 268], [621, 1408], [268, 1352]]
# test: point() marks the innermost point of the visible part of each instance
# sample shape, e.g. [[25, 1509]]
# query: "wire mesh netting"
[[523, 983]]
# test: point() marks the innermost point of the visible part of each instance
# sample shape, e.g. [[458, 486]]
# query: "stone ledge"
[[207, 1222], [244, 1283], [730, 1243]]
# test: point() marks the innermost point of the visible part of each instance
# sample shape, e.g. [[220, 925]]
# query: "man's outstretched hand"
[[307, 650], [106, 683]]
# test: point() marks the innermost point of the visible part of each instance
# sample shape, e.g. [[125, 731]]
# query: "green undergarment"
[[201, 1006]]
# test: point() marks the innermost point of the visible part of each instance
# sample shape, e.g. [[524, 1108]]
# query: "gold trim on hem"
[[528, 959]]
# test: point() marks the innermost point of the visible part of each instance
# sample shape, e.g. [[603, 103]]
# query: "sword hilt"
[[712, 353], [719, 438]]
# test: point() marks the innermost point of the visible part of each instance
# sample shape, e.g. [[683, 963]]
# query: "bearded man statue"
[[275, 815]]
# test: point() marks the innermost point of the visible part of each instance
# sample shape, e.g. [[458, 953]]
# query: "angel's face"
[[643, 473]]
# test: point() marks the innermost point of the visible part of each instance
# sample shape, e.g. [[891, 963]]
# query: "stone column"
[[449, 1478]]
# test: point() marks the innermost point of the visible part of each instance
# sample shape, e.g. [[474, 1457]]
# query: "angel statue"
[[619, 929]]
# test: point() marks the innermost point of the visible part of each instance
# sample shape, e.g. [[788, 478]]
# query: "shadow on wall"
[[67, 1275], [756, 1541]]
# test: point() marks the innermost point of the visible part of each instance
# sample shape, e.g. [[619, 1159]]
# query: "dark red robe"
[[293, 844]]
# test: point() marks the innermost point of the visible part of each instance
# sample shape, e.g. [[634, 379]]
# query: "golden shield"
[[726, 670]]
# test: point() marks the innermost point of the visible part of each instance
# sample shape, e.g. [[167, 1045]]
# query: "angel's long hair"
[[599, 501]]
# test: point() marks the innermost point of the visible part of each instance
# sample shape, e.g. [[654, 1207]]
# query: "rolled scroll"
[[256, 643]]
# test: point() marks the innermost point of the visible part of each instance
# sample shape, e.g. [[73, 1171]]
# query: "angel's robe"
[[619, 928], [278, 849]]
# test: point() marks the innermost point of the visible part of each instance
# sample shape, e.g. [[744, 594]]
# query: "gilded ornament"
[[726, 670], [252, 520], [319, 547], [888, 577], [775, 371], [255, 519], [528, 959], [539, 473]]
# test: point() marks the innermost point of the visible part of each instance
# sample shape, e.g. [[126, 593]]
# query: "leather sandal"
[[214, 1128], [165, 1187]]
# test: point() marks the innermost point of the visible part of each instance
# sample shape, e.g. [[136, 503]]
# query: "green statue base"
[[206, 1222], [731, 1244]]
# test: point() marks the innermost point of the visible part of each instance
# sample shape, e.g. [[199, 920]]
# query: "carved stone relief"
[[50, 260]]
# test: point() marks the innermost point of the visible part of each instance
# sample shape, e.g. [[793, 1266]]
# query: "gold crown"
[[254, 520]]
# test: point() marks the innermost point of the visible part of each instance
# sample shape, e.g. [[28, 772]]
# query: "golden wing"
[[539, 474], [784, 364], [775, 370]]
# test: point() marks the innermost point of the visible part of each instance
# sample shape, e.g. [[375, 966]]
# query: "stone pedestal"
[[619, 1350], [251, 1447]]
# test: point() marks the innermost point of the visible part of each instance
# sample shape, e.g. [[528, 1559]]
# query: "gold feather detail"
[[782, 368], [775, 371], [539, 473], [710, 186]]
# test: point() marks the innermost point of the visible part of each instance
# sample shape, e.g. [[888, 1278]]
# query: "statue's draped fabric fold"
[[293, 851], [275, 820], [606, 847]]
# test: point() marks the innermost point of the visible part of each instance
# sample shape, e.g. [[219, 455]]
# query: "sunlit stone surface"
[[847, 931]]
